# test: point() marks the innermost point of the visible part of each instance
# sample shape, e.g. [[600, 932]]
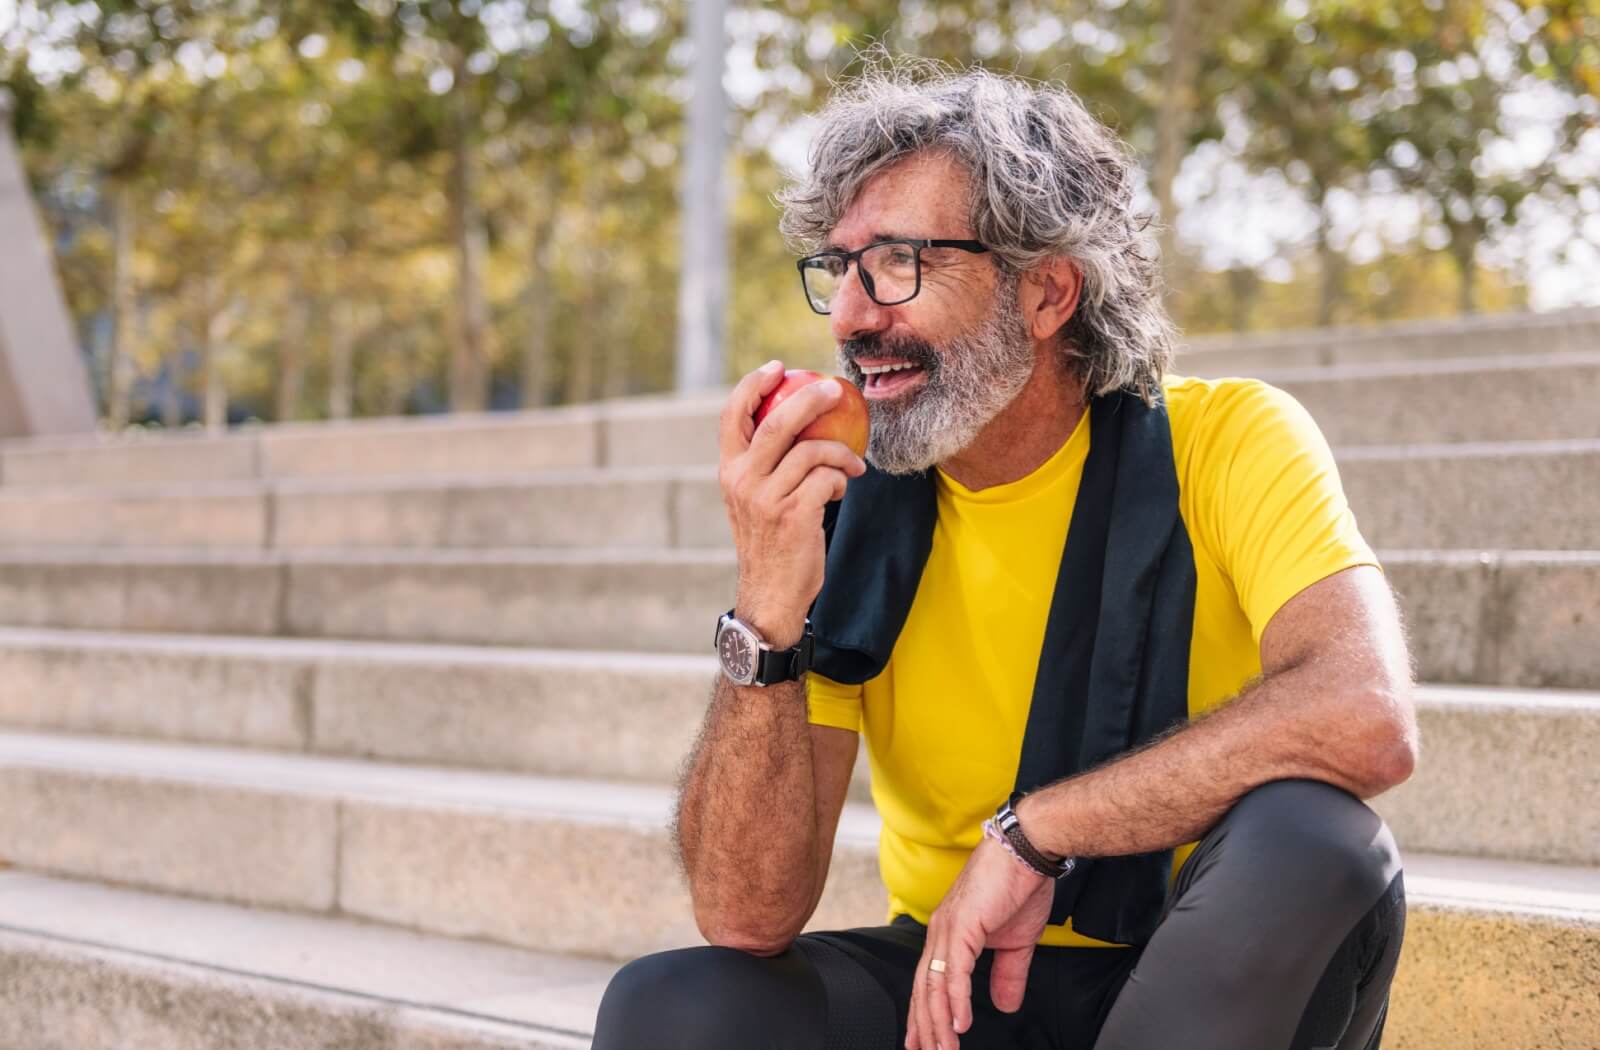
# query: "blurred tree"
[[331, 207]]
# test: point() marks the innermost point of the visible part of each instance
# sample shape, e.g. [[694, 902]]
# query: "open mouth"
[[890, 379]]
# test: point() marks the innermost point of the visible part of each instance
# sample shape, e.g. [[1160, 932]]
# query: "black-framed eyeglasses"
[[891, 271]]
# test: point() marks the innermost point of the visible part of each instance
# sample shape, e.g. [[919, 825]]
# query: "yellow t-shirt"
[[1267, 517]]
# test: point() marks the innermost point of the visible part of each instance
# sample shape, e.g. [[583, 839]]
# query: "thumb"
[[1008, 977]]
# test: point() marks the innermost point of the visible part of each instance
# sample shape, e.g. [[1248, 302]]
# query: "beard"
[[966, 383]]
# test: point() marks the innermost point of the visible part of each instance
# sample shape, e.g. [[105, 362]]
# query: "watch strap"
[[786, 665]]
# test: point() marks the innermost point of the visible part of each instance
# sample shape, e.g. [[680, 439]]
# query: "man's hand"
[[996, 902], [775, 490]]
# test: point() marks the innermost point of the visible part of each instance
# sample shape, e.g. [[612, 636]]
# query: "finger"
[[776, 434], [914, 1025], [932, 989], [938, 997], [958, 985], [823, 485], [798, 463], [738, 412], [1008, 977]]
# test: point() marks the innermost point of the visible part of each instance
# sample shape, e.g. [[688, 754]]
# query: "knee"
[[1314, 837], [656, 995], [703, 999]]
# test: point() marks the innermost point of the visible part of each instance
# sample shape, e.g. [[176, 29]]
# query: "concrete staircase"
[[325, 736]]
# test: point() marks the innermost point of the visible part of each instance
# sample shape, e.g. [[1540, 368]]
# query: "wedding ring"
[[937, 966]]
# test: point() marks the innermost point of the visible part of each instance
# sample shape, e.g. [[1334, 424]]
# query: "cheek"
[[956, 300], [942, 319]]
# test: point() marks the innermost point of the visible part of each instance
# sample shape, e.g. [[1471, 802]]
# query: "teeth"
[[880, 369]]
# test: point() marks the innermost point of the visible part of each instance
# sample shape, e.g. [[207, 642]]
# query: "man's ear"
[[1056, 284]]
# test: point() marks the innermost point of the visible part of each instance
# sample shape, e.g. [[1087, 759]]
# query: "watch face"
[[738, 655]]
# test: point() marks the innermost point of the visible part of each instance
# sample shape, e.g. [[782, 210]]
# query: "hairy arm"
[[1333, 704], [758, 806], [762, 790]]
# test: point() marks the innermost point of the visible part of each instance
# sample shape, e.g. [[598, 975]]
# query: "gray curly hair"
[[1048, 180]]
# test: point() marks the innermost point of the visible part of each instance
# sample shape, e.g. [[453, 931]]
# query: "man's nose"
[[853, 314]]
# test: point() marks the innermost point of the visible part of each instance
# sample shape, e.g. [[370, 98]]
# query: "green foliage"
[[301, 180]]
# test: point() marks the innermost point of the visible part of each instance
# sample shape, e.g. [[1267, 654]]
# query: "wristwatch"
[[747, 659]]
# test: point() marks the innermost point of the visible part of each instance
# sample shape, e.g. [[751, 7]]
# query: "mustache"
[[917, 351]]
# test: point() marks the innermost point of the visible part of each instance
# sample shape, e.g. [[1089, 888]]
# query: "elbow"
[[748, 942], [1392, 764], [1388, 746], [750, 939], [755, 935]]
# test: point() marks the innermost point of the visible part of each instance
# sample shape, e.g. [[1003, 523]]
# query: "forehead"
[[924, 195]]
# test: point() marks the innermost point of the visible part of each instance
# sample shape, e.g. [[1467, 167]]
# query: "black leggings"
[[1281, 931]]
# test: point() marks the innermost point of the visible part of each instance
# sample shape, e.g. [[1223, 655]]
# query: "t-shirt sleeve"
[[1277, 515], [830, 703]]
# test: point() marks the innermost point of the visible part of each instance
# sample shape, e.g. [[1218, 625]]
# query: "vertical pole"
[[44, 384], [119, 367], [703, 281]]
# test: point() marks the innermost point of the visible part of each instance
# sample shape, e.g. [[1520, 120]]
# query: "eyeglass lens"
[[889, 272]]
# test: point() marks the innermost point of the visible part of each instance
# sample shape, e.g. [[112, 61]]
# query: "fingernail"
[[770, 365]]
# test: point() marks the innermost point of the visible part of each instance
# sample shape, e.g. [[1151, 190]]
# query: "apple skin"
[[846, 421]]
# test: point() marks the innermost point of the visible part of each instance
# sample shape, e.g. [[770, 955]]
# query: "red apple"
[[846, 421]]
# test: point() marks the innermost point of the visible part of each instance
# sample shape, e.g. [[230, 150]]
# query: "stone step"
[[1515, 397], [1504, 773], [551, 864], [1517, 495], [1513, 618], [1495, 950], [1517, 618], [91, 967], [1495, 335], [618, 715], [610, 599], [1518, 398], [611, 507], [1438, 496], [637, 432]]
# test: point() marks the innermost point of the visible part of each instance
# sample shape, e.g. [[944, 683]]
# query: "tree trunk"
[[397, 374], [213, 328], [119, 361], [537, 295], [587, 342], [1244, 288], [468, 353], [292, 356], [1331, 269], [607, 283], [341, 360], [171, 403], [1464, 251], [1173, 117]]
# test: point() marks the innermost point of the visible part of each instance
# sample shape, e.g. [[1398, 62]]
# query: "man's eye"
[[901, 257]]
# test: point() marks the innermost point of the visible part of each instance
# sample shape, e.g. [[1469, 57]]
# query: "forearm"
[[1293, 724], [746, 820]]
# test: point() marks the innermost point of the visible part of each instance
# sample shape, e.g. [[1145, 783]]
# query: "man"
[[1183, 694]]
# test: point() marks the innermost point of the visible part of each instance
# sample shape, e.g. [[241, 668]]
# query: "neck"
[[1027, 432]]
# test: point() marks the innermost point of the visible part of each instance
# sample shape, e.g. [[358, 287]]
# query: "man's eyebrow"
[[873, 238]]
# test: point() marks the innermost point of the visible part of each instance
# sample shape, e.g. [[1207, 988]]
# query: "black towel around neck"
[[1114, 668]]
